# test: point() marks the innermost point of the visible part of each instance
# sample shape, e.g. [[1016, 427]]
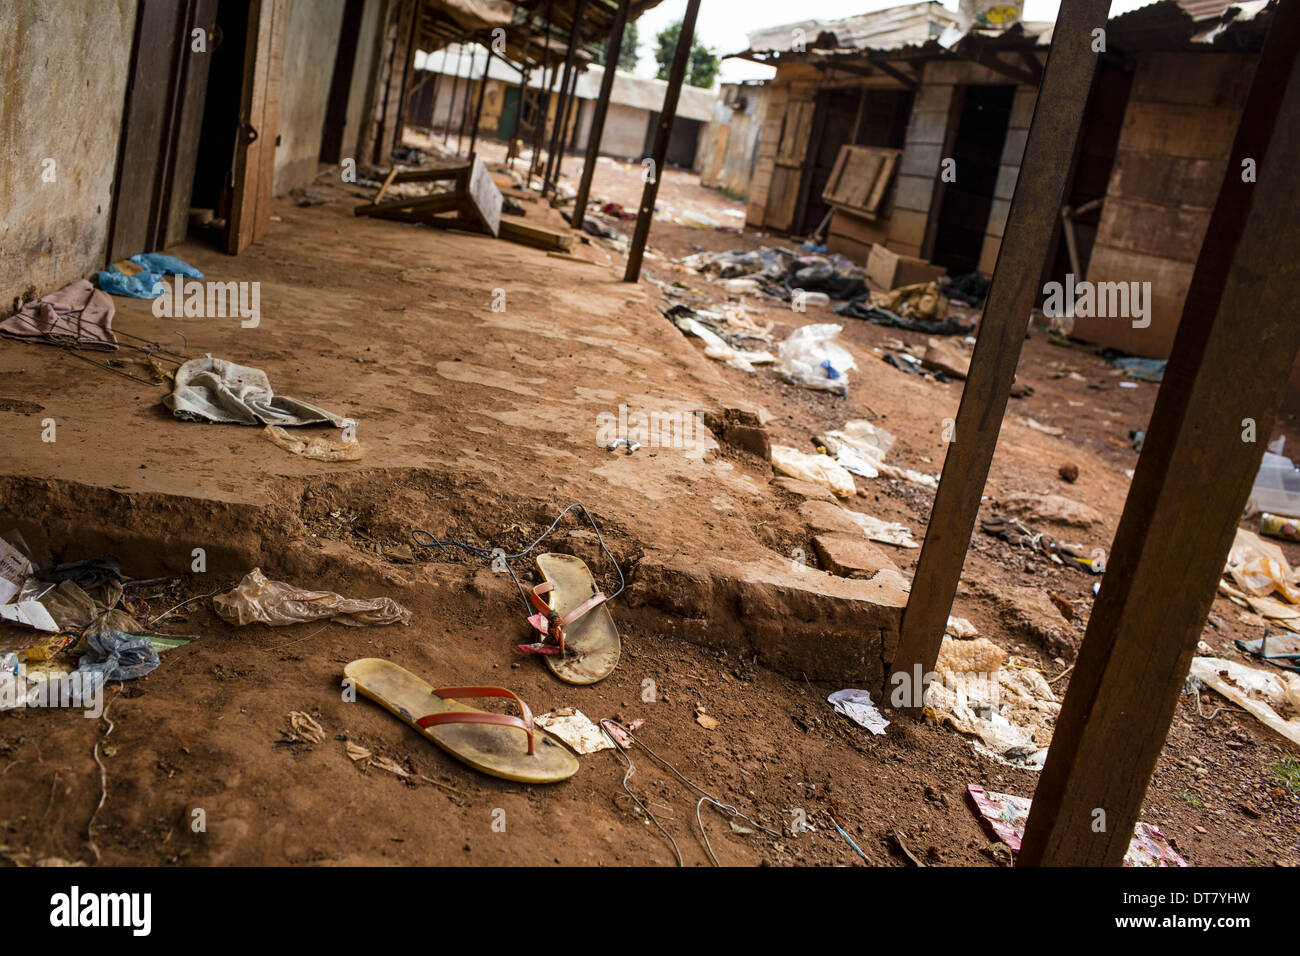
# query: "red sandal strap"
[[480, 717]]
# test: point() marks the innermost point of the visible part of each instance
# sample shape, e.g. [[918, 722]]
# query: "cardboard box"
[[890, 270]]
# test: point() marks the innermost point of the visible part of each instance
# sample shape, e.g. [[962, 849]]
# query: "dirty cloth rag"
[[78, 315], [118, 656], [213, 390]]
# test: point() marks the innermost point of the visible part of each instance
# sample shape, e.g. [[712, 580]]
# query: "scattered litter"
[[1279, 526], [1045, 429], [1010, 711], [1259, 568], [1019, 534], [961, 628], [115, 656], [213, 390], [886, 532], [256, 600], [1277, 483], [319, 448], [1128, 384], [1146, 369], [819, 469], [811, 357], [575, 729], [1006, 815], [704, 720], [140, 277], [304, 727], [1271, 698], [857, 706], [1275, 648]]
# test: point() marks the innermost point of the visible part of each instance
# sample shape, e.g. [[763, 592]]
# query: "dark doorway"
[[682, 141], [160, 126], [977, 149], [847, 116], [336, 108], [1098, 143], [211, 197]]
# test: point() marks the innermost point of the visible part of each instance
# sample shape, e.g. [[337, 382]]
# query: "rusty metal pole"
[[675, 77], [612, 52]]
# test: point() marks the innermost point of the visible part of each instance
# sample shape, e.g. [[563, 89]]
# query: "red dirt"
[[481, 426]]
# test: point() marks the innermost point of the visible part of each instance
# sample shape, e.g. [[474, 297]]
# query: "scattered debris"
[[818, 469], [857, 706], [1006, 815], [1019, 534], [257, 600], [811, 357], [576, 729], [319, 448], [1069, 473], [1271, 698], [304, 727]]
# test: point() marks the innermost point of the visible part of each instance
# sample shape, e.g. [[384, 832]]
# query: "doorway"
[[213, 177], [985, 112]]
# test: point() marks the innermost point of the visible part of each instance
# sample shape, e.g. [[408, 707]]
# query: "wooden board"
[[536, 236], [254, 167]]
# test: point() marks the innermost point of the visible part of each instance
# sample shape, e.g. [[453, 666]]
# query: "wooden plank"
[[1032, 220], [512, 230], [425, 204], [1170, 232], [1236, 345], [383, 187], [889, 161], [483, 199]]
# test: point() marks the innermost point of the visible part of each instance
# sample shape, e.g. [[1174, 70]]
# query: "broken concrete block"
[[849, 556], [826, 516], [804, 489]]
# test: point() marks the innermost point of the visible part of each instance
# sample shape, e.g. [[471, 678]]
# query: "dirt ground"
[[481, 426]]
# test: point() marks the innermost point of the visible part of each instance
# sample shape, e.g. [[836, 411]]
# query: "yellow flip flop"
[[581, 645], [498, 744]]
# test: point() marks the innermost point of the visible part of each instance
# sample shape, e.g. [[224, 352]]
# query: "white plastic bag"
[[811, 357]]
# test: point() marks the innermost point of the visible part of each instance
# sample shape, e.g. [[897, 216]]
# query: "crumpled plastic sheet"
[[118, 656], [818, 469], [812, 358], [258, 600]]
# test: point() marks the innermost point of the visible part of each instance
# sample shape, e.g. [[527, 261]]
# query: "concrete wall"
[[63, 82], [625, 129], [311, 39]]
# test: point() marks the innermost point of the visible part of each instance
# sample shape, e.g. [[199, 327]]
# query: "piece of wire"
[[705, 796], [495, 554]]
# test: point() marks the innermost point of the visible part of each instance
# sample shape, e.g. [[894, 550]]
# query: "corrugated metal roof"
[[912, 24]]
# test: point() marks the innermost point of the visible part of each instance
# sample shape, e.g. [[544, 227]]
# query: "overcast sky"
[[725, 24]]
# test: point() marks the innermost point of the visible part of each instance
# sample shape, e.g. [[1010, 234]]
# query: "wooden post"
[[544, 98], [565, 130], [567, 82], [513, 150], [676, 74], [478, 106], [1227, 372], [469, 87], [1053, 135], [613, 49], [451, 100]]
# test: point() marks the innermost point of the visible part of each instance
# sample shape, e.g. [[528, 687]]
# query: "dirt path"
[[481, 425]]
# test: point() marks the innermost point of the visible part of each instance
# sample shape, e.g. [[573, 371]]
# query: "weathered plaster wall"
[[311, 39], [63, 83]]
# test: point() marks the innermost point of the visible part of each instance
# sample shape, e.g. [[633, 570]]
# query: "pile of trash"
[[921, 307], [1008, 711], [729, 336], [781, 272], [68, 621]]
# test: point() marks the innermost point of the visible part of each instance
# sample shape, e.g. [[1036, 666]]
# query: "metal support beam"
[[676, 74], [1231, 357], [513, 150], [1053, 136], [613, 49], [566, 84], [544, 98]]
